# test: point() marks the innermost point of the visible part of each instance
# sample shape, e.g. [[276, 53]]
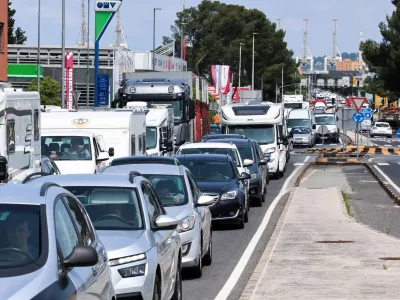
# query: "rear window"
[[224, 151], [382, 125], [206, 170]]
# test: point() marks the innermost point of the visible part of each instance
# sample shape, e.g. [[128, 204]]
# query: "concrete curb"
[[352, 150], [302, 173], [337, 161]]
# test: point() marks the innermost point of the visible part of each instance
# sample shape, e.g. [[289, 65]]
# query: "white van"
[[299, 117], [20, 132]]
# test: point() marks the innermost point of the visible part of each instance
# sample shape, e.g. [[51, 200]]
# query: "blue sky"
[[137, 19]]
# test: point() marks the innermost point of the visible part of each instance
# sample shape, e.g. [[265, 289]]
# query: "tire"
[[282, 173], [246, 214], [265, 193], [157, 289], [257, 201], [277, 173], [241, 224], [197, 271], [207, 260], [178, 284]]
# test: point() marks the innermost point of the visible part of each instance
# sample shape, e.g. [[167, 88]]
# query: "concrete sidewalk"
[[295, 266], [362, 140]]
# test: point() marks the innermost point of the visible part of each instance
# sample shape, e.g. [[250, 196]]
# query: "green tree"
[[15, 35], [49, 91], [213, 32], [384, 58]]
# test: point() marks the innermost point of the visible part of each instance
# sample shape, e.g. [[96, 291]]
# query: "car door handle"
[[94, 272]]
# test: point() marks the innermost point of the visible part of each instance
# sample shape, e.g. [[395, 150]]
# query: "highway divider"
[[362, 151]]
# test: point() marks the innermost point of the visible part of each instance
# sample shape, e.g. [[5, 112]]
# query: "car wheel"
[[265, 193], [178, 284], [157, 289], [207, 260], [257, 201], [246, 214], [282, 173], [241, 224], [276, 175], [197, 271]]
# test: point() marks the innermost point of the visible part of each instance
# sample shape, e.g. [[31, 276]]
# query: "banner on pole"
[[69, 80], [221, 76], [124, 62]]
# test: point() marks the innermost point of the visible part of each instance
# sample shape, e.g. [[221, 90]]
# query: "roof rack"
[[27, 178], [46, 186], [132, 176]]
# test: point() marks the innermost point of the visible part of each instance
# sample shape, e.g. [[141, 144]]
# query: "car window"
[[382, 125], [193, 187], [224, 151], [246, 152], [66, 234], [151, 204], [45, 167], [214, 170], [81, 221], [55, 169]]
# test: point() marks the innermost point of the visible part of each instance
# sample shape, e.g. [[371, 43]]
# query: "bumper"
[[380, 133], [329, 135], [227, 211], [302, 142], [191, 241]]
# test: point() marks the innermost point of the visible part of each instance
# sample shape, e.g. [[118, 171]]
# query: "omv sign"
[[110, 6]]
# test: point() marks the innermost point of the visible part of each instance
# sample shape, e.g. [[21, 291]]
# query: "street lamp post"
[[240, 61], [87, 56], [154, 36], [63, 56], [252, 70], [38, 51]]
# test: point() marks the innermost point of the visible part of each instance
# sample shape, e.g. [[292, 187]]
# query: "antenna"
[[120, 41], [334, 33], [183, 4], [278, 24], [305, 40], [82, 37], [307, 55], [360, 52]]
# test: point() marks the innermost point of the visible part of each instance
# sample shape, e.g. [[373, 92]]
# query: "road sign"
[[358, 102], [358, 117], [103, 89], [398, 133], [367, 115], [365, 110]]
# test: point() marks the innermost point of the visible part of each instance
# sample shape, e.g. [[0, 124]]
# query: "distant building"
[[349, 65], [3, 39]]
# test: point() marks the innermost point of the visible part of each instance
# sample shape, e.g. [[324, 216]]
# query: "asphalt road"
[[388, 168], [229, 244], [393, 142]]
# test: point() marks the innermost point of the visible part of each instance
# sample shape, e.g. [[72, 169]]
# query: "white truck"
[[294, 102], [19, 133], [263, 122], [159, 127]]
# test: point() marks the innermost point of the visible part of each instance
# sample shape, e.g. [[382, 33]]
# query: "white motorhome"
[[123, 131], [159, 127], [20, 132], [263, 122]]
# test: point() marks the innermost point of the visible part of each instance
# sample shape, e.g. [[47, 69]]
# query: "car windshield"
[[169, 188], [67, 147], [20, 239], [263, 134], [382, 125], [224, 151], [325, 120], [176, 105], [215, 129], [302, 130], [151, 137], [210, 170], [110, 208], [246, 152], [298, 122]]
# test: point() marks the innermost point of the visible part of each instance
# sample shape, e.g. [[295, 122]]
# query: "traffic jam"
[[120, 202]]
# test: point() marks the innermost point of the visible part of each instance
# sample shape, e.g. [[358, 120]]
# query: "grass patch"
[[347, 199]]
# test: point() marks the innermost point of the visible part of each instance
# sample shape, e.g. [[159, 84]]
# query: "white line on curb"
[[240, 266], [382, 164], [388, 179]]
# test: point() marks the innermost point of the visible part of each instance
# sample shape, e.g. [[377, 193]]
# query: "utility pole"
[[38, 51], [88, 56], [240, 61], [252, 69], [63, 56], [282, 84], [154, 36]]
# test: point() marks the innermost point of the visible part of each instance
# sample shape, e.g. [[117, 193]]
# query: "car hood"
[[219, 187], [25, 286], [125, 243], [179, 212], [75, 167], [302, 135]]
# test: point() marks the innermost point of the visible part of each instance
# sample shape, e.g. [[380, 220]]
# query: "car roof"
[[21, 194], [381, 123], [86, 180], [145, 160], [220, 145], [213, 157], [146, 169], [223, 136], [235, 141]]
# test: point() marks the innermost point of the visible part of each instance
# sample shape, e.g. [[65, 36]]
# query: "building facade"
[[3, 39], [349, 65]]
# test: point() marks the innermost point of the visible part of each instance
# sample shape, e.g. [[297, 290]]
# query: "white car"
[[381, 128]]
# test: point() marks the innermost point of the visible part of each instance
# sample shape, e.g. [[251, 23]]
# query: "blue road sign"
[[366, 110], [103, 86], [367, 115], [358, 117], [398, 133]]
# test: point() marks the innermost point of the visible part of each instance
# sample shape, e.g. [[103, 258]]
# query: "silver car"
[[141, 240], [182, 199], [48, 246], [303, 136]]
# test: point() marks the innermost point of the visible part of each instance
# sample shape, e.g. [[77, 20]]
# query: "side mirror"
[[244, 176], [3, 169], [337, 118], [285, 141], [205, 200], [103, 156], [168, 146], [314, 126], [81, 256], [248, 163], [291, 134], [267, 158], [111, 151], [165, 222], [263, 162]]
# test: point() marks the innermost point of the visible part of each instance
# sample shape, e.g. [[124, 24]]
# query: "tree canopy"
[[384, 58], [214, 31], [15, 35], [50, 91]]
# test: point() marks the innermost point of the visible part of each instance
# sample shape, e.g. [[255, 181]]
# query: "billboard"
[[221, 76], [163, 63], [69, 80]]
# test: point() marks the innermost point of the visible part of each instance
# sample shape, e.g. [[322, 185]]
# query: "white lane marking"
[[306, 159], [318, 144], [298, 164], [340, 141], [240, 266], [382, 164], [388, 145], [333, 144], [308, 176], [388, 179]]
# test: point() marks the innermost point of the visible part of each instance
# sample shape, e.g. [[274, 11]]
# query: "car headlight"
[[133, 271], [127, 260], [254, 175], [270, 150], [229, 195], [186, 223]]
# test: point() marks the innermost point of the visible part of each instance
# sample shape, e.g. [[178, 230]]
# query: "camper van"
[[299, 117], [20, 132], [263, 122], [122, 133]]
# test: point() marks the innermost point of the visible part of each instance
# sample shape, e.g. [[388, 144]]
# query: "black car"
[[131, 160], [222, 136], [250, 150], [217, 176], [49, 166]]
